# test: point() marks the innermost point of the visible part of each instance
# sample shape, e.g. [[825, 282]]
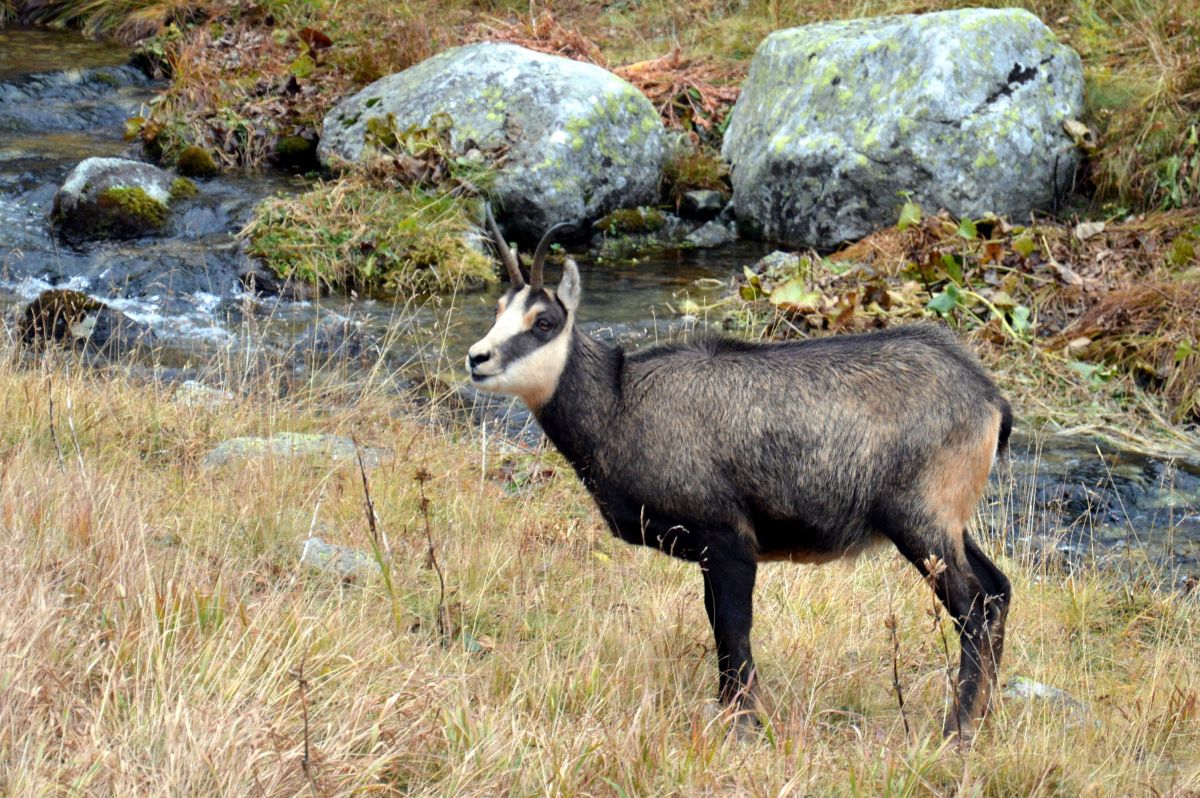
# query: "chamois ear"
[[569, 288]]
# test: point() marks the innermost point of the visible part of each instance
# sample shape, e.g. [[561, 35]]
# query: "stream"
[[1075, 502]]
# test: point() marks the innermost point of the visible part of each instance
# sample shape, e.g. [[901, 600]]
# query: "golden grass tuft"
[[158, 627]]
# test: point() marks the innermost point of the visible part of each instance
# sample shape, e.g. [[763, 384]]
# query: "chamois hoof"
[[744, 725], [959, 730]]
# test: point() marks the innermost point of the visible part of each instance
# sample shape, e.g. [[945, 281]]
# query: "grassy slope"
[[156, 623]]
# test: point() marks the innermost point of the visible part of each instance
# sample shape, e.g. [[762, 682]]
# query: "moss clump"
[[1183, 250], [632, 221], [692, 169], [296, 152], [351, 235], [183, 189], [196, 161], [134, 208]]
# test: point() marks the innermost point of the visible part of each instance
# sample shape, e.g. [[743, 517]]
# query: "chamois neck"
[[585, 401]]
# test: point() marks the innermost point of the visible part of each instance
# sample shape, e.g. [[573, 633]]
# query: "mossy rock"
[[296, 153], [183, 189], [581, 141], [72, 318], [114, 198], [196, 161]]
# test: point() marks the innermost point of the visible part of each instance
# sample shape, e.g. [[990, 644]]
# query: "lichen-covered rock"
[[284, 445], [583, 141], [106, 198], [961, 109]]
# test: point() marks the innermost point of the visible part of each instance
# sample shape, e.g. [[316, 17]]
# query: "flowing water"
[[63, 98]]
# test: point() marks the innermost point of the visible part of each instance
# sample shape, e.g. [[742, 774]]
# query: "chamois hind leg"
[[998, 596], [728, 600], [960, 591]]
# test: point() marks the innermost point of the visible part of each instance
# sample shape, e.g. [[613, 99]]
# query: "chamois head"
[[526, 350]]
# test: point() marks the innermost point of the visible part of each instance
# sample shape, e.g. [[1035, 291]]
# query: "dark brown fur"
[[731, 453]]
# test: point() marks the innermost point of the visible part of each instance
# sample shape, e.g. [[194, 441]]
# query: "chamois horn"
[[506, 254], [539, 255]]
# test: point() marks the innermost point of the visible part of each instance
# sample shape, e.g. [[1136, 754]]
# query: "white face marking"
[[533, 377]]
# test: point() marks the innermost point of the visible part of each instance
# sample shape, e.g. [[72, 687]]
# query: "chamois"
[[730, 453]]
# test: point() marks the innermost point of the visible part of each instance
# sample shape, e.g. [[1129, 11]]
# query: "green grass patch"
[[351, 235]]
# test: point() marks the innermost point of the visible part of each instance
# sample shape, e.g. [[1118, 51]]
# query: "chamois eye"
[[545, 325]]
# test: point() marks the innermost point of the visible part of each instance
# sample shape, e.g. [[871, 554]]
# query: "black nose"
[[475, 360]]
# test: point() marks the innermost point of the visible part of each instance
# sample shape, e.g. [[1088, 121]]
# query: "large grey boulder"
[[116, 198], [583, 141], [962, 109]]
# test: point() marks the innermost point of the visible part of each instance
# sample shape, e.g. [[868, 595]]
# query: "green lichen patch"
[[632, 221], [133, 208], [352, 235], [196, 161]]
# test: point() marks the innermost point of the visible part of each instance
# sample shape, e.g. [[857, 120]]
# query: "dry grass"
[[158, 630], [1151, 330]]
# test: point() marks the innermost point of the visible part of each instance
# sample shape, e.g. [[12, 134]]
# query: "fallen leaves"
[[688, 92]]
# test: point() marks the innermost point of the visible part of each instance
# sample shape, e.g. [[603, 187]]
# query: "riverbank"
[[1141, 62], [1129, 378], [161, 634]]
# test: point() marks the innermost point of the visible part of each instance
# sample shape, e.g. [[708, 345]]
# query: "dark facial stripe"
[[532, 339]]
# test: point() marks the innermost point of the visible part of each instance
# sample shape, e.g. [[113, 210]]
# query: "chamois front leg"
[[728, 600]]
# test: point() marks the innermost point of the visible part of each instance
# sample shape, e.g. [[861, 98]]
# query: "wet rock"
[[53, 316], [777, 262], [632, 231], [286, 445], [261, 281], [72, 318], [71, 99], [114, 335], [963, 110], [340, 561], [582, 141], [336, 339], [713, 233], [702, 203], [105, 198]]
